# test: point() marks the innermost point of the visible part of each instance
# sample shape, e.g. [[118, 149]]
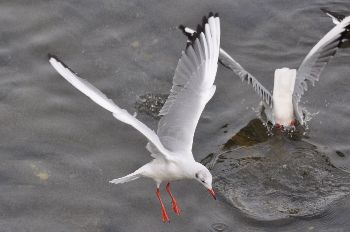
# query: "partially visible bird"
[[281, 107], [192, 88]]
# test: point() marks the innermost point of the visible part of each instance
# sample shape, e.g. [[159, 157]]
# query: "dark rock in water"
[[278, 179], [252, 134], [257, 132], [151, 104]]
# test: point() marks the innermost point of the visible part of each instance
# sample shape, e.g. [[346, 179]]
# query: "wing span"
[[192, 88], [99, 98]]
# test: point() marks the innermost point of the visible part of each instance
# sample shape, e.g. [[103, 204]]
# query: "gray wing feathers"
[[230, 63], [192, 84], [314, 63], [187, 66], [227, 61]]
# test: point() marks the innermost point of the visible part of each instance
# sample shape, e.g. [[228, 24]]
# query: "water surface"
[[58, 149]]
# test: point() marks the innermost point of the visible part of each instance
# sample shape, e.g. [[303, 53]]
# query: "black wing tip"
[[190, 36], [215, 15], [200, 27], [51, 56], [324, 10], [182, 28], [206, 18], [345, 39], [210, 15], [334, 14]]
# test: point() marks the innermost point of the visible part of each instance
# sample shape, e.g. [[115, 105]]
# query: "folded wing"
[[98, 97], [192, 89]]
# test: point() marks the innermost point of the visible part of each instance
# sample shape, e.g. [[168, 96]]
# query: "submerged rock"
[[277, 179], [255, 132]]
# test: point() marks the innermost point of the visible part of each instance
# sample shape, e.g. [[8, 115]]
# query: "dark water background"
[[58, 149]]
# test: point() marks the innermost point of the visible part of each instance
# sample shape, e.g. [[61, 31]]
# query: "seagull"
[[171, 147], [282, 107]]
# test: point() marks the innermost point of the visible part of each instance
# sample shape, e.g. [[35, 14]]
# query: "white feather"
[[283, 96], [98, 97]]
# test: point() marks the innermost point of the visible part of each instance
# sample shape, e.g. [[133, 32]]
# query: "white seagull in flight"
[[282, 107], [192, 88]]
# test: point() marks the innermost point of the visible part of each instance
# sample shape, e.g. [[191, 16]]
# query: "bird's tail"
[[127, 178], [284, 81]]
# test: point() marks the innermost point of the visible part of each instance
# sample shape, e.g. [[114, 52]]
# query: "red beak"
[[212, 193]]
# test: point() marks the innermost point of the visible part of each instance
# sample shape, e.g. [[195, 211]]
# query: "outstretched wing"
[[314, 63], [227, 61], [192, 88], [98, 97]]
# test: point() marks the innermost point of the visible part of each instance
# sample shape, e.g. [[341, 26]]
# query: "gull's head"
[[203, 176]]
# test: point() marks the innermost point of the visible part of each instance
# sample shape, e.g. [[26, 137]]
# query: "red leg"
[[165, 217], [176, 209]]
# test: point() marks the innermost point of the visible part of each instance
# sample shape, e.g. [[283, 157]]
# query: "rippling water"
[[58, 149]]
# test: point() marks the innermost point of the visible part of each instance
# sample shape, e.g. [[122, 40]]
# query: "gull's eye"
[[196, 175], [203, 181]]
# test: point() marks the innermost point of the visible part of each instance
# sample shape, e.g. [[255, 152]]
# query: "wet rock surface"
[[255, 132], [278, 178], [269, 174]]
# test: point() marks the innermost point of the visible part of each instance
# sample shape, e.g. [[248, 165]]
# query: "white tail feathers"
[[282, 96], [128, 178], [284, 81]]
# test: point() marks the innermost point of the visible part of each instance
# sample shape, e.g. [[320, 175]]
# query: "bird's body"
[[281, 106], [282, 98], [166, 171], [171, 147]]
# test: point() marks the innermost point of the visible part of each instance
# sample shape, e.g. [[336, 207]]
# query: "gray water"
[[58, 149]]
